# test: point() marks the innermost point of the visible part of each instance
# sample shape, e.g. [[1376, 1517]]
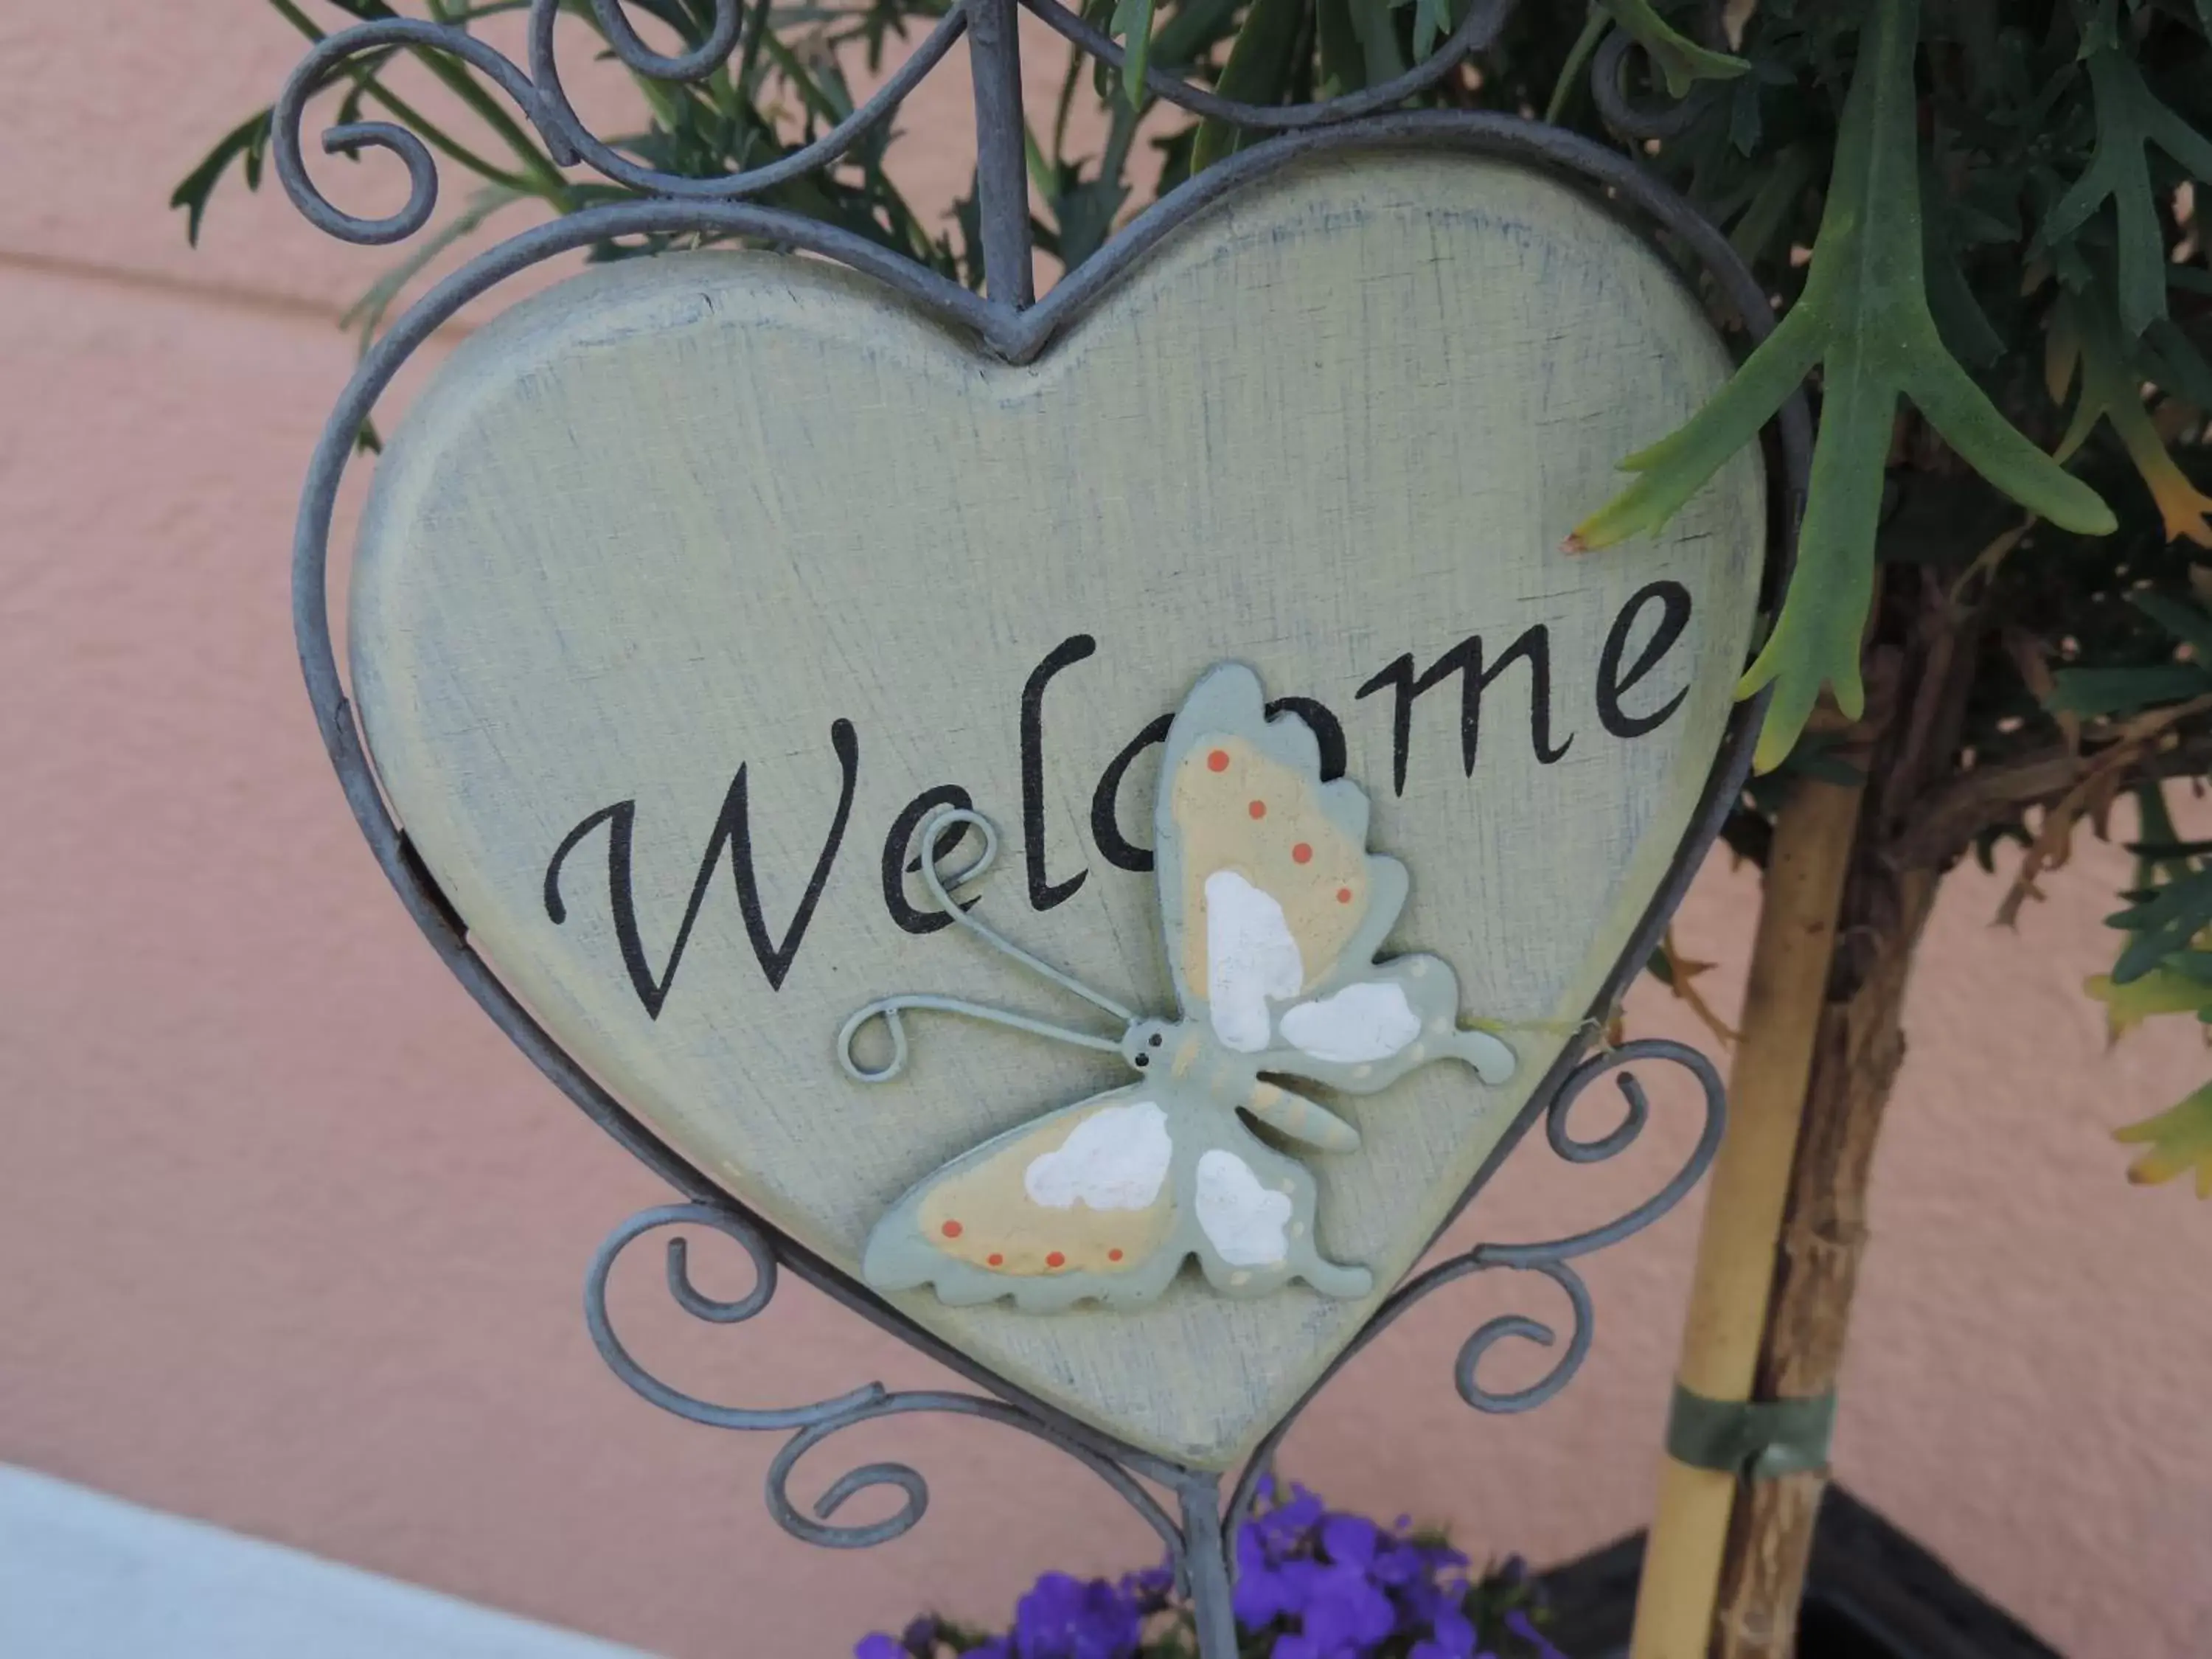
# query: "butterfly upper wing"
[[1266, 883], [1273, 909], [1078, 1203]]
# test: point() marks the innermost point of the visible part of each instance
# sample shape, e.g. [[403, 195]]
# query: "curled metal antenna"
[[892, 1010]]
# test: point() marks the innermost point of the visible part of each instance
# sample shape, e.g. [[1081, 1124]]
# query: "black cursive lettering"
[[733, 831], [1613, 680], [1465, 659], [897, 866], [1044, 893]]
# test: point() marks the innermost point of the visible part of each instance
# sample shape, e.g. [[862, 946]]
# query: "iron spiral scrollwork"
[[1550, 1258], [812, 1424], [1182, 1505], [1668, 118], [1123, 1469]]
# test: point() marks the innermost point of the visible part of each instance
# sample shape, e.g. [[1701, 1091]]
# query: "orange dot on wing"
[[1219, 760], [996, 1260], [951, 1229], [1258, 809], [1113, 1255], [1344, 896], [1302, 854], [1055, 1259]]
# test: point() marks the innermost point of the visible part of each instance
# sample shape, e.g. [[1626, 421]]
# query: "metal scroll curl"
[[1121, 1467], [1667, 118], [1549, 1259], [543, 99], [539, 95], [812, 1424]]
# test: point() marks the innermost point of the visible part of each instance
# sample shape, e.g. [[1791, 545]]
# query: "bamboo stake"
[[1814, 834]]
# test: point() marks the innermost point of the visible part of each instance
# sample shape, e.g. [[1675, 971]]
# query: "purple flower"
[[1262, 1595], [1451, 1636], [1284, 1527], [1349, 1539], [997, 1647], [1064, 1618], [1345, 1610], [877, 1646], [1151, 1590]]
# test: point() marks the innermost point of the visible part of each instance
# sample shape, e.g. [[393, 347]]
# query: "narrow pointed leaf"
[[2179, 1142], [2187, 622], [2130, 119], [1816, 640], [1994, 448], [1677, 466], [1132, 24], [1258, 72]]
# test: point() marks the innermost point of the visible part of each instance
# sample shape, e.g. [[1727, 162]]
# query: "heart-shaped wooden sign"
[[694, 593]]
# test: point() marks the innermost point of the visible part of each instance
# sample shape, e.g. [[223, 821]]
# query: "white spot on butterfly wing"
[[1250, 956], [1245, 1221], [1369, 1019], [1116, 1159]]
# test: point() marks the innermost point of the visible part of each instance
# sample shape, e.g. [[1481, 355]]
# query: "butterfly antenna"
[[932, 835], [892, 1010]]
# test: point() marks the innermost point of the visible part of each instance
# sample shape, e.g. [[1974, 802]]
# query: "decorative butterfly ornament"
[[1273, 910]]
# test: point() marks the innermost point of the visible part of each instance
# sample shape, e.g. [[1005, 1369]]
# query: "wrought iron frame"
[[1009, 320]]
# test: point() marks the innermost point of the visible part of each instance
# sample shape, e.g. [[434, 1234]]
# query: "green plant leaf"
[[2187, 622], [1680, 61], [2130, 119], [2161, 991], [1960, 319], [1865, 316], [1343, 64], [1428, 27], [1258, 72], [247, 143], [2179, 1142], [2164, 921], [2090, 692], [1378, 39], [2110, 390], [1131, 25]]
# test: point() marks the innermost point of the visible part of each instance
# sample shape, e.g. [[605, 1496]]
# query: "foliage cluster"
[[1977, 220]]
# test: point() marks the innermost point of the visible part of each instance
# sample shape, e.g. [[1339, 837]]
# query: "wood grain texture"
[[721, 511]]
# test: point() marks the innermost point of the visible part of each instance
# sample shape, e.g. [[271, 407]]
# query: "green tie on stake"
[[1863, 319]]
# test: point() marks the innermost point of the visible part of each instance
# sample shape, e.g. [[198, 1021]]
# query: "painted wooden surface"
[[731, 554]]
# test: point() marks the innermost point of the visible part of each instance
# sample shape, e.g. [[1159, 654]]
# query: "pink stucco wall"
[[293, 1237]]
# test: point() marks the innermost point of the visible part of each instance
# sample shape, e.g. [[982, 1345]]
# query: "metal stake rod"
[[1002, 180], [1206, 1562]]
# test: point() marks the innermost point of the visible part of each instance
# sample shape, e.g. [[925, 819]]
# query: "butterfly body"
[[1272, 911]]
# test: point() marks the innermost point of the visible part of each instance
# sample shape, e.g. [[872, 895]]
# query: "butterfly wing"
[[1266, 883], [1079, 1203], [1273, 907]]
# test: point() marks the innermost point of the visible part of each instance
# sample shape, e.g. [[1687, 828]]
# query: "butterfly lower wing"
[[1081, 1203], [1251, 1212]]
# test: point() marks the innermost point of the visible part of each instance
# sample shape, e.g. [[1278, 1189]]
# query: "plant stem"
[[1579, 57]]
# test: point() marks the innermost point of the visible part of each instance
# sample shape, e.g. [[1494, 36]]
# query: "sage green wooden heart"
[[711, 511]]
